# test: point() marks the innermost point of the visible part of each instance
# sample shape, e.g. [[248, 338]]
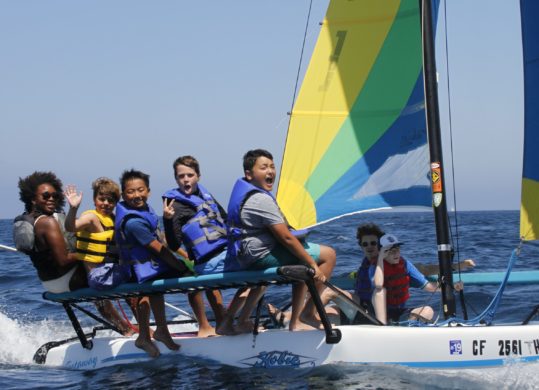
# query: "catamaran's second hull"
[[427, 347]]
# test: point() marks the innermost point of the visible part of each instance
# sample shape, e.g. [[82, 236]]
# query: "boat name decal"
[[78, 364], [273, 359]]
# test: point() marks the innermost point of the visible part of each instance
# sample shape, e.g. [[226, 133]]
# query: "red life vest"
[[396, 282]]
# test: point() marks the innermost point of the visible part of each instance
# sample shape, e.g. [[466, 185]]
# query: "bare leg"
[[197, 304], [434, 269], [245, 325], [424, 313], [108, 311], [227, 325], [281, 318], [326, 296], [216, 302], [299, 289], [143, 340], [132, 303], [161, 333], [326, 264], [379, 304]]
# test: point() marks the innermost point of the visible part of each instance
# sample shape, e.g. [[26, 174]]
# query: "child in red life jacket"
[[392, 279]]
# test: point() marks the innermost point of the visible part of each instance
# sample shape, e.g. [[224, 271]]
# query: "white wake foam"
[[19, 340]]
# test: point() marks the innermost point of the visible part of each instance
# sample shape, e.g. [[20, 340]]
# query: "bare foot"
[[147, 346], [300, 326], [164, 336], [226, 329], [128, 332], [244, 327], [314, 323], [208, 331], [280, 318], [466, 264]]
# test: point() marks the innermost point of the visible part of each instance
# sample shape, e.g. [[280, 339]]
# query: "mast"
[[441, 218]]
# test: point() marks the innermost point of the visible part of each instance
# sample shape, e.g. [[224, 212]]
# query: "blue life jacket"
[[204, 235], [363, 287], [145, 265], [240, 193]]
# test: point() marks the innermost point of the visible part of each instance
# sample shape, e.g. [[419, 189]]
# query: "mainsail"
[[357, 138], [529, 210]]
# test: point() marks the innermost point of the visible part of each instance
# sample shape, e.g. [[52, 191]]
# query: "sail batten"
[[361, 103]]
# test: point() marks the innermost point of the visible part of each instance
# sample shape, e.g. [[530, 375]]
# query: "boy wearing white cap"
[[392, 279]]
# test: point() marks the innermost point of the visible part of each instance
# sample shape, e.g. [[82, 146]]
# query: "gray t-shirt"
[[258, 212]]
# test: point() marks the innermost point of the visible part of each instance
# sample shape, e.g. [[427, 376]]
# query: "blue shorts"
[[108, 275], [280, 256], [215, 265]]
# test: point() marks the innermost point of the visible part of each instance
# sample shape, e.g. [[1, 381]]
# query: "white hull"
[[427, 347]]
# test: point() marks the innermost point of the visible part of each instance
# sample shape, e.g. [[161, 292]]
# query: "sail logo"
[[275, 359], [455, 347]]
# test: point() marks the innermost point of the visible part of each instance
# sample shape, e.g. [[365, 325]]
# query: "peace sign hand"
[[168, 209]]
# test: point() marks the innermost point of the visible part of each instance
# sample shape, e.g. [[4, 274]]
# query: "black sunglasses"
[[366, 243], [47, 195]]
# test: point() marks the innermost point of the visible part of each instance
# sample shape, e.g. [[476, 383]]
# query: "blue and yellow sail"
[[357, 135], [529, 210]]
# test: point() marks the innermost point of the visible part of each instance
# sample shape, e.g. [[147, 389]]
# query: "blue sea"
[[488, 237]]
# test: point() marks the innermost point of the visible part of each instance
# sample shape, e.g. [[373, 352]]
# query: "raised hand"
[[383, 251], [168, 209], [73, 197]]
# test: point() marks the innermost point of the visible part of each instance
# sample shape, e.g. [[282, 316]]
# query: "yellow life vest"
[[96, 247]]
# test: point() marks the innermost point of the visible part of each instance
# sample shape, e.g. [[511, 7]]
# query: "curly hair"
[[106, 186], [134, 174], [249, 159], [188, 161], [28, 188], [368, 229]]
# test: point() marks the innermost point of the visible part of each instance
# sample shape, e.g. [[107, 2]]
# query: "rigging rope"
[[446, 46], [297, 81], [487, 315], [455, 236]]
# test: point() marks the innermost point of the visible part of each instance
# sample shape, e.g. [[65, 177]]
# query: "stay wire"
[[296, 84], [455, 236]]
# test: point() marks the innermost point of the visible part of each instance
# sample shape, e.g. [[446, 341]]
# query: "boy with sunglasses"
[[368, 236]]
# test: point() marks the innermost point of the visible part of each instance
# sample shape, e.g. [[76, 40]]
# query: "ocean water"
[[27, 321]]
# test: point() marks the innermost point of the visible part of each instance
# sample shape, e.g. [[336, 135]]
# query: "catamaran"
[[357, 141]]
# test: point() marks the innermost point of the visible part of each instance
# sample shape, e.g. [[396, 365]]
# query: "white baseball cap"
[[389, 240]]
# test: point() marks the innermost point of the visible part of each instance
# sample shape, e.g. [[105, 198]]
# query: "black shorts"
[[359, 318], [396, 314]]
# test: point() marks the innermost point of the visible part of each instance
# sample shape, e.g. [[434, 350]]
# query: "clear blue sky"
[[92, 88]]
